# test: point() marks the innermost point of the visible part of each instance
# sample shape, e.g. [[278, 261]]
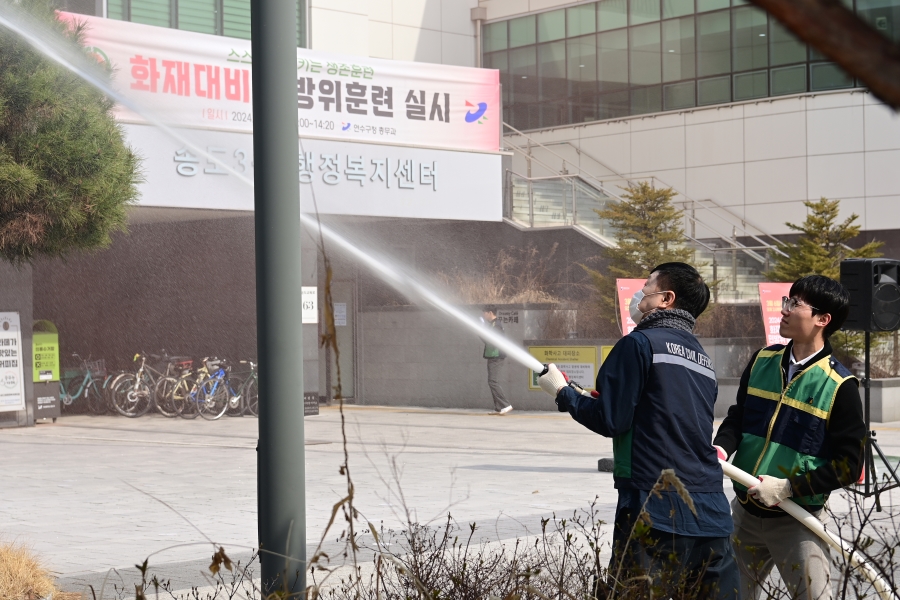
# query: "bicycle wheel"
[[235, 406], [76, 395], [96, 401], [179, 396], [214, 396], [191, 408], [132, 398], [251, 397], [162, 395], [109, 387]]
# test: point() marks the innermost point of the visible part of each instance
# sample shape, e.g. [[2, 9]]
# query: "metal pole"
[[281, 493], [868, 461]]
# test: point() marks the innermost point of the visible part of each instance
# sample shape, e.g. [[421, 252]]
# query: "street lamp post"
[[281, 493]]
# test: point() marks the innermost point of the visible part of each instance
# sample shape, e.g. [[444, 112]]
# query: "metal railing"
[[557, 201]]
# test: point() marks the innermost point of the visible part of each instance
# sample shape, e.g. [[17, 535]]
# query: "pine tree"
[[648, 232], [823, 245], [66, 174], [819, 251]]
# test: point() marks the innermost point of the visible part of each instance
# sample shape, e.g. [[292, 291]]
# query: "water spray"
[[882, 587], [404, 282], [401, 281]]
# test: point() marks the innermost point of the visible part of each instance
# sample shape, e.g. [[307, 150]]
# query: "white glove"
[[771, 490], [553, 380]]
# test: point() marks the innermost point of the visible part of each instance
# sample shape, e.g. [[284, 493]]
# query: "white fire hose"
[[790, 507]]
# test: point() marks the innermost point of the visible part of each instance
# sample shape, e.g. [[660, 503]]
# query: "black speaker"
[[874, 293]]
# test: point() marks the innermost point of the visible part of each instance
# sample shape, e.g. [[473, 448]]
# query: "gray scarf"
[[674, 318]]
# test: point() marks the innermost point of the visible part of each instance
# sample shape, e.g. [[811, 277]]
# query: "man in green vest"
[[797, 424], [495, 360]]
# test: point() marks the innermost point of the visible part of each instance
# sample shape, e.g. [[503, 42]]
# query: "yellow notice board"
[[578, 362]]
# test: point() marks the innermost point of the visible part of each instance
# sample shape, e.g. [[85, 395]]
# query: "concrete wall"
[[16, 296], [417, 357]]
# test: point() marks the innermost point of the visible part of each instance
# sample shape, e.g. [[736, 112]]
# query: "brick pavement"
[[84, 492]]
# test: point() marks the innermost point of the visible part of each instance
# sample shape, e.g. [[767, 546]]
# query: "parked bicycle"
[[216, 393], [134, 394], [87, 386]]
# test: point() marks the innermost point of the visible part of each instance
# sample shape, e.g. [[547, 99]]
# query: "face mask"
[[633, 310]]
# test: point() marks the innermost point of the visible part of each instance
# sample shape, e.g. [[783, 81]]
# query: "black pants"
[[680, 566]]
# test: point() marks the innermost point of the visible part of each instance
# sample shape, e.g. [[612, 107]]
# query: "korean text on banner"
[[579, 363], [625, 289], [204, 81], [770, 295], [12, 374]]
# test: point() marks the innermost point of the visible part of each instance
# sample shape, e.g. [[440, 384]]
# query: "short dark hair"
[[827, 296], [489, 308], [691, 292]]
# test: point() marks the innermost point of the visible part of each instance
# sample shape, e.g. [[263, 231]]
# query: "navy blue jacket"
[[657, 393]]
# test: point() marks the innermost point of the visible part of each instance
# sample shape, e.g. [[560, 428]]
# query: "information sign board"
[[309, 310], [12, 375], [578, 362], [770, 295]]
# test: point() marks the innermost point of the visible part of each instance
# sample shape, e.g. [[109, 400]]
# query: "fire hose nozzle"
[[544, 372]]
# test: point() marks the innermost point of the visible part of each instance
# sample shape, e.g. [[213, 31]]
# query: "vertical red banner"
[[625, 289], [770, 295]]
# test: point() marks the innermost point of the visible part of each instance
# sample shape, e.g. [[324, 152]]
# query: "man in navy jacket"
[[657, 390]]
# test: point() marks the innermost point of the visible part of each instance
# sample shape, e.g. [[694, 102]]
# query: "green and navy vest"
[[784, 428]]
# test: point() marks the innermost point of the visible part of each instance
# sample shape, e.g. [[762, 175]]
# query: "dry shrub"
[[516, 276], [21, 575]]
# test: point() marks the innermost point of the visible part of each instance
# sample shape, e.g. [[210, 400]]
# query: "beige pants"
[[800, 556]]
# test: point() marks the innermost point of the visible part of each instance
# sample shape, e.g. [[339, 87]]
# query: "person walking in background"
[[797, 424], [496, 359]]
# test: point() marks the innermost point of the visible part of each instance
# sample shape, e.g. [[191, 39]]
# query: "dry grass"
[[21, 575]]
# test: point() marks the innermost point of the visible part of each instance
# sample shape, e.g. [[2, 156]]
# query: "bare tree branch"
[[835, 31]]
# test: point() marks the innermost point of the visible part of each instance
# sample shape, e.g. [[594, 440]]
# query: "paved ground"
[[85, 492]]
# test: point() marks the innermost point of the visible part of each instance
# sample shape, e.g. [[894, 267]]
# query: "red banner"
[[625, 289], [770, 295]]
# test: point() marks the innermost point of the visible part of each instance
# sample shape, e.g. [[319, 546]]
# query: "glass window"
[[152, 12], [236, 18], [705, 5], [644, 54], [788, 80], [582, 65], [677, 8], [612, 14], [784, 48], [523, 75], [581, 20], [197, 15], [678, 49], [739, 2], [611, 106], [749, 39], [751, 85], [828, 76], [584, 108], [551, 26], [521, 31], [554, 113], [679, 95], [494, 36], [646, 100], [552, 70], [713, 43], [612, 60], [115, 9], [499, 61], [714, 91], [882, 15], [644, 11]]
